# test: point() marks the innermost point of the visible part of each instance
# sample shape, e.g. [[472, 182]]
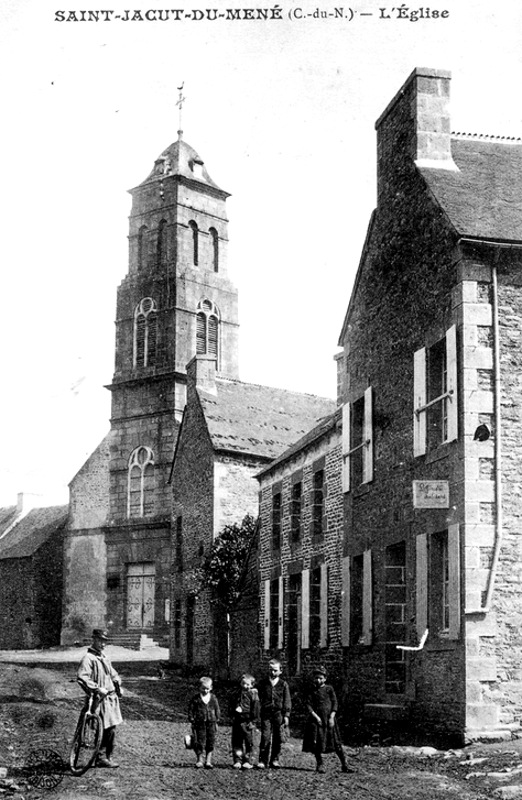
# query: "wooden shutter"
[[152, 330], [281, 611], [305, 609], [367, 609], [421, 583], [323, 631], [419, 400], [346, 447], [345, 602], [454, 581], [368, 437], [201, 333], [267, 616], [212, 336], [451, 371]]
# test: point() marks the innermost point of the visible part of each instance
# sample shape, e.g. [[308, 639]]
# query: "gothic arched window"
[[142, 247], [194, 228], [161, 251], [207, 328], [140, 487], [215, 248], [145, 333]]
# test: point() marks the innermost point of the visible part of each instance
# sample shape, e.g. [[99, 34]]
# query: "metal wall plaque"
[[430, 494]]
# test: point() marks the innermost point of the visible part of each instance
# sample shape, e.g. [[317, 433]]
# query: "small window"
[[179, 543], [207, 328], [215, 249], [140, 491], [435, 417], [296, 508], [276, 520], [274, 613], [143, 241], [318, 503], [358, 441], [145, 333], [195, 243]]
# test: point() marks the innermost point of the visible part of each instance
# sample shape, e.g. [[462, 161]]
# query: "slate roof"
[[484, 197], [179, 159], [33, 530], [259, 420], [325, 425]]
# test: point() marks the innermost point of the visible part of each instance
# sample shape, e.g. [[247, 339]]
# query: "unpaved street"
[[40, 707]]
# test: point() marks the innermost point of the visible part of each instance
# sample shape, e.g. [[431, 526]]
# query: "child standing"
[[244, 713], [203, 713], [321, 733], [275, 706]]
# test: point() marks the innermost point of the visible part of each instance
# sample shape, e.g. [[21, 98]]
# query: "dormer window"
[[197, 168]]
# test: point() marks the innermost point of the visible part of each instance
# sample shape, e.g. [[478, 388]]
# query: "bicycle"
[[87, 736]]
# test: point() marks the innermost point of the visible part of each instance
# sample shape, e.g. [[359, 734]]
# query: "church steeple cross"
[[179, 103]]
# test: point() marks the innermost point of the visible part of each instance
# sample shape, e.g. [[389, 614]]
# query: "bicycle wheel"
[[86, 743]]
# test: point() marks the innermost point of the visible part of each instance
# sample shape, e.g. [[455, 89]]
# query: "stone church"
[[176, 305], [175, 301]]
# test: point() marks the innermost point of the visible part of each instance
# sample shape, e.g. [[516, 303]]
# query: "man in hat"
[[96, 674]]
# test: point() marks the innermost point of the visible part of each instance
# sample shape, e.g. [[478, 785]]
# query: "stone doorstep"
[[500, 735], [385, 711]]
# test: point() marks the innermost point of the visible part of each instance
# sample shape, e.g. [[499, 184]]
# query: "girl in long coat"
[[321, 732]]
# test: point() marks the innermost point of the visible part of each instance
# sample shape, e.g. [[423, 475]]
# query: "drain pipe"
[[498, 445]]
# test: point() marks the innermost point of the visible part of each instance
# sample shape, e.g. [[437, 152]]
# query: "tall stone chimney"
[[415, 124], [201, 374]]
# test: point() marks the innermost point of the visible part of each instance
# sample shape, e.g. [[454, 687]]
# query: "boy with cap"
[[321, 733], [96, 674]]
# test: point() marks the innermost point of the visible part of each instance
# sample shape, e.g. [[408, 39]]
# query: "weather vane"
[[179, 104]]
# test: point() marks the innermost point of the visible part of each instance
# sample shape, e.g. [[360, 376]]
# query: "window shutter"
[[419, 400], [345, 602], [150, 352], [281, 611], [139, 353], [267, 616], [323, 634], [213, 336], [451, 368], [305, 609], [454, 581], [421, 582], [368, 437], [201, 333], [346, 447], [367, 611]]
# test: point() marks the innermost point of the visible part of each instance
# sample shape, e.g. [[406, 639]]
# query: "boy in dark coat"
[[203, 713], [275, 704], [321, 733], [244, 713]]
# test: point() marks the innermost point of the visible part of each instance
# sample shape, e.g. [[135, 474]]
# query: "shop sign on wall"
[[430, 494]]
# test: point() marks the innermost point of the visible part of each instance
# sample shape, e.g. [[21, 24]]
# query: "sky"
[[282, 111]]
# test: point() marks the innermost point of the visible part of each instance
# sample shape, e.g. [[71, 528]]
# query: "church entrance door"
[[141, 580]]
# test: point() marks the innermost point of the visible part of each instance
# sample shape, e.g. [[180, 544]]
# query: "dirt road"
[[40, 707]]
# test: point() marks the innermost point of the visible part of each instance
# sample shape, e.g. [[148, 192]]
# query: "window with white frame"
[[207, 328], [140, 493], [314, 607], [145, 333], [273, 613], [435, 416], [438, 583], [358, 441], [357, 600]]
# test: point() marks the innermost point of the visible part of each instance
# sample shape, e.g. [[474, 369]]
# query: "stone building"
[[230, 431], [430, 387], [31, 575], [175, 301], [300, 551]]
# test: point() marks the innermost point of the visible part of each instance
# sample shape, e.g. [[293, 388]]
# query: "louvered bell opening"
[[152, 337], [201, 333], [140, 341], [213, 336]]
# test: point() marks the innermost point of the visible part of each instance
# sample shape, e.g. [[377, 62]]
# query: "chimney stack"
[[201, 373], [416, 123]]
